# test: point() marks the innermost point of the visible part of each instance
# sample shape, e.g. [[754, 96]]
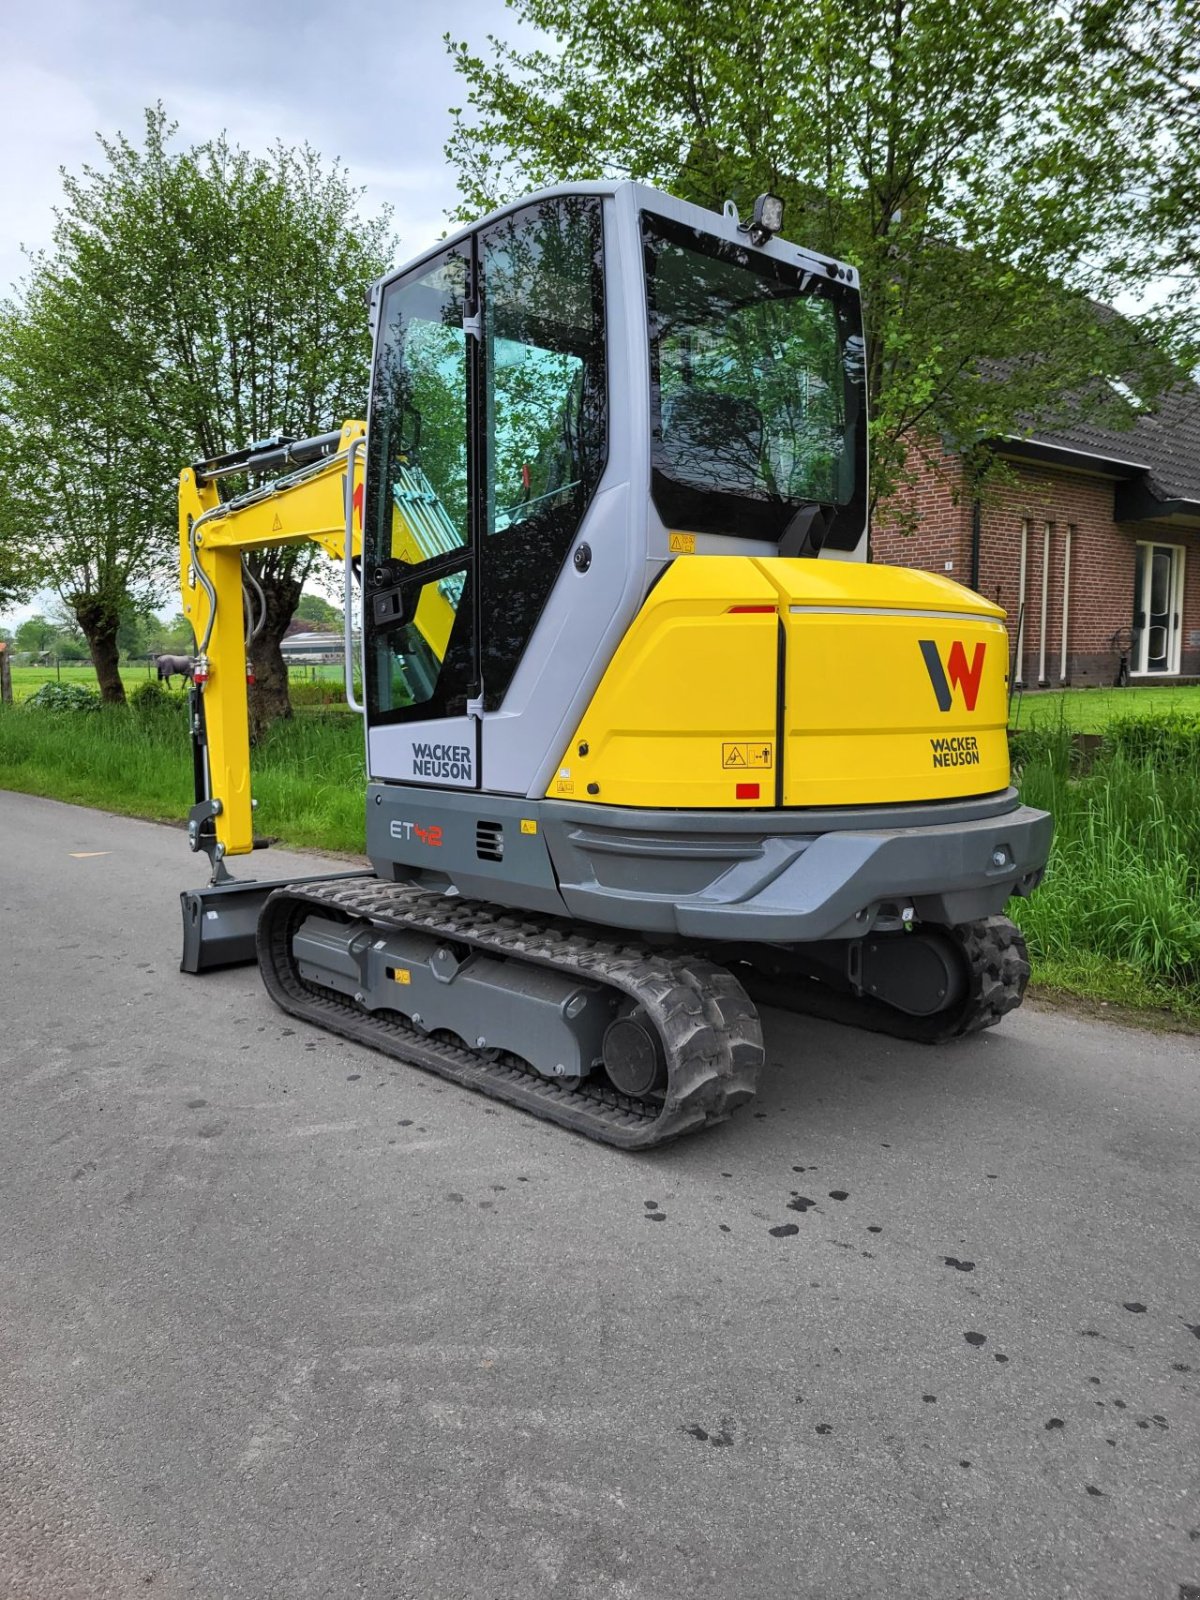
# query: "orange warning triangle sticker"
[[735, 758], [277, 526]]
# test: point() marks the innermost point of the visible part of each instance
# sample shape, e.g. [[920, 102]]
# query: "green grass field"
[[28, 680], [309, 775], [1091, 710], [1081, 710]]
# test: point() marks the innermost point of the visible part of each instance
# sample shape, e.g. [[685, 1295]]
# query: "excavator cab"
[[644, 727], [592, 371]]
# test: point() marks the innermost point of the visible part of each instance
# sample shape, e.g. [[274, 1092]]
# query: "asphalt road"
[[279, 1318]]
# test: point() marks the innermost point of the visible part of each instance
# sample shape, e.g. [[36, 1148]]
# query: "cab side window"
[[417, 567], [545, 413]]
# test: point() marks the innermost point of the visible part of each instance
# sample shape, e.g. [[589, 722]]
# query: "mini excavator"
[[646, 732]]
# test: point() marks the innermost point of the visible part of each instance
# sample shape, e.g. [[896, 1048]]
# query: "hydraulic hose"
[[205, 580]]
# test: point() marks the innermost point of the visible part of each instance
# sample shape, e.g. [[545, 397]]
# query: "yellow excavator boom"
[[317, 503]]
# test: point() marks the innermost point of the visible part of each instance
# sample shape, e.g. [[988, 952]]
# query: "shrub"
[[1050, 743], [1169, 740], [152, 697], [316, 692], [75, 697], [1124, 877]]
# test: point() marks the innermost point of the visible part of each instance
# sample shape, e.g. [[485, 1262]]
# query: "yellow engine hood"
[[895, 685], [753, 682]]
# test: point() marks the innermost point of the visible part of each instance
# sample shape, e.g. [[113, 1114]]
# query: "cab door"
[[420, 577], [488, 436], [543, 441]]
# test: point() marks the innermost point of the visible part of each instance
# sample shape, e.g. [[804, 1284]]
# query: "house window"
[[1157, 609]]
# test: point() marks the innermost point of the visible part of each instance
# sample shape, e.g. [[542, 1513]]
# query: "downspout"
[[1062, 665], [976, 534], [1042, 679], [1020, 678]]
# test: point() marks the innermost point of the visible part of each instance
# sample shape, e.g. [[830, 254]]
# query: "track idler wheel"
[[633, 1057]]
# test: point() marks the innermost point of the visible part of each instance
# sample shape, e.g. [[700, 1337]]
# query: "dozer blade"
[[220, 922]]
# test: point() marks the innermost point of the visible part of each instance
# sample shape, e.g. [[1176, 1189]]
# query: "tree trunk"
[[269, 700], [100, 621]]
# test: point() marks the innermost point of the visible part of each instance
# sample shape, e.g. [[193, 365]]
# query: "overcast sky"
[[370, 83]]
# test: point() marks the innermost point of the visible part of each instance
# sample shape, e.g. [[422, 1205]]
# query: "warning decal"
[[682, 544], [747, 755]]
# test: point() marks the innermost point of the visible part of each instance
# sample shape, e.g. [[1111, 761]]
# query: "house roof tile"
[[1163, 441]]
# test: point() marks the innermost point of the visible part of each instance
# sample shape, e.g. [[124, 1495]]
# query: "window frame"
[[480, 555], [384, 587]]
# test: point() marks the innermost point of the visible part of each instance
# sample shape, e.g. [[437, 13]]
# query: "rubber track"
[[709, 1029], [997, 972]]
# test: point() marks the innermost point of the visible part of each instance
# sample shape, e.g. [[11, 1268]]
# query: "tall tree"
[[173, 637], [197, 299], [86, 456], [1144, 97], [15, 580], [930, 142], [36, 634], [319, 612]]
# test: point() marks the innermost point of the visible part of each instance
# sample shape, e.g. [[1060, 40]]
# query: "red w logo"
[[956, 673]]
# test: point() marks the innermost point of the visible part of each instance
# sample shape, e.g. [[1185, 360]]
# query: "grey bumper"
[[792, 888]]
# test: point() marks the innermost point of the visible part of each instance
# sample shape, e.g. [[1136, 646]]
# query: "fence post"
[[6, 697]]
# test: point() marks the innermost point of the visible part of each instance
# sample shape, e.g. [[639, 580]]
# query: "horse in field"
[[173, 666]]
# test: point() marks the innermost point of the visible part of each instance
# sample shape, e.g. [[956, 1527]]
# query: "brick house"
[[1093, 549]]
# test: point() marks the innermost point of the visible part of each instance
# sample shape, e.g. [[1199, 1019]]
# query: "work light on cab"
[[767, 218]]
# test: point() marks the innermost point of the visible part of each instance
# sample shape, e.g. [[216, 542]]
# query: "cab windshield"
[[757, 374]]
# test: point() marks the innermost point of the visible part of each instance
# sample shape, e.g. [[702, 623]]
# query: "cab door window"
[[544, 413], [418, 568]]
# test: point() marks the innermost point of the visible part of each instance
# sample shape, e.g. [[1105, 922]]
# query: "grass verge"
[[1118, 918], [318, 685], [309, 775], [1091, 710]]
